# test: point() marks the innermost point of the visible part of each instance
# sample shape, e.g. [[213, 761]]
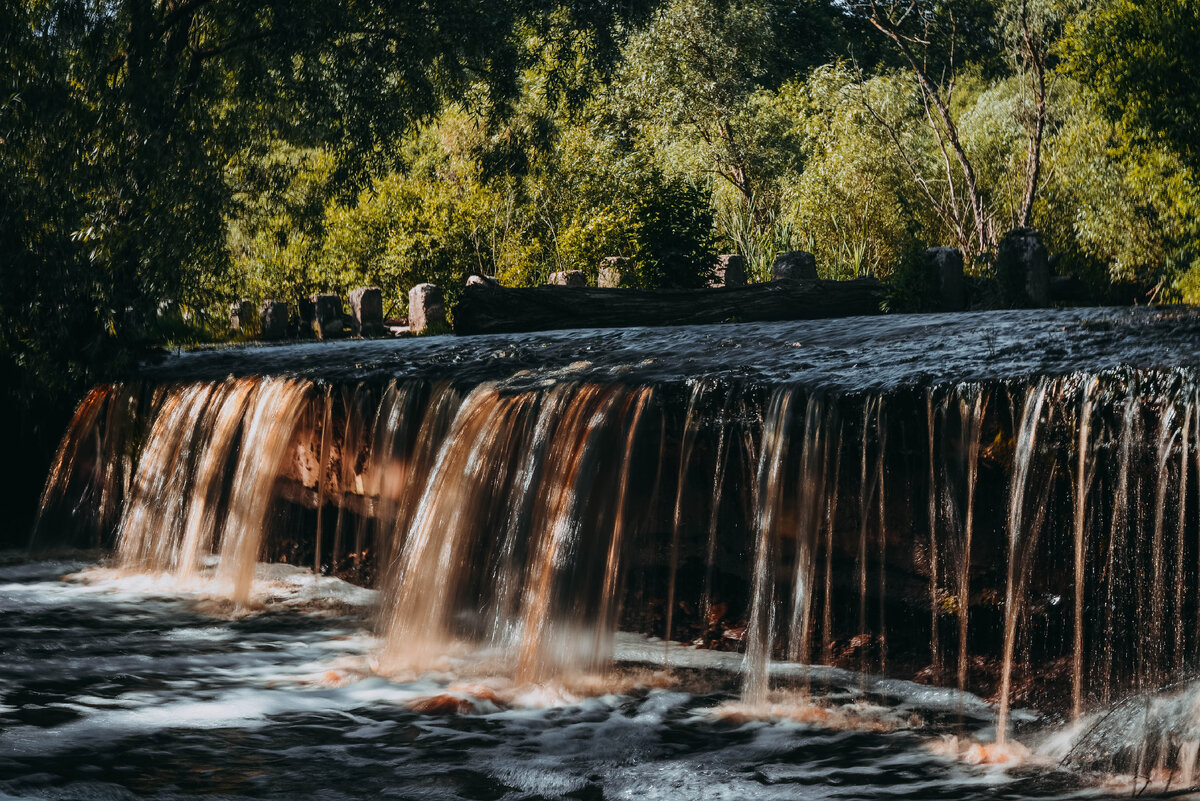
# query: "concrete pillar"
[[730, 270], [273, 319], [568, 278], [613, 272], [794, 264], [366, 307], [426, 309]]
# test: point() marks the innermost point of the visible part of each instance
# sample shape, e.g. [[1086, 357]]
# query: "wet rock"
[[946, 265], [328, 320], [730, 270], [1023, 268], [615, 271], [795, 264], [242, 318], [273, 319], [366, 307], [568, 278], [426, 309]]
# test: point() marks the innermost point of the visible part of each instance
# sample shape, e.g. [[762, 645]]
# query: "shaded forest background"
[[159, 159]]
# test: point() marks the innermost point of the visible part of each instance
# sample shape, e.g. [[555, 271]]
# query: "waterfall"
[[538, 518]]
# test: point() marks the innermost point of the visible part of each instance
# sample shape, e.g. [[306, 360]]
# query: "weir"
[[1005, 502]]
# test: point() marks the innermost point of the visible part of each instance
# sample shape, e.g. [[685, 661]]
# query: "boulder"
[[366, 307], [242, 317], [794, 264], [482, 279], [273, 319], [946, 266], [328, 322], [568, 278], [1023, 268], [730, 270], [426, 309], [614, 272]]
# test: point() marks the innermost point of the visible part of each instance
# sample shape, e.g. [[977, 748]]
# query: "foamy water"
[[118, 686]]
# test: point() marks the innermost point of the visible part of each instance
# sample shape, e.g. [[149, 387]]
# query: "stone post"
[[1023, 268], [613, 270], [946, 267], [273, 319], [794, 264], [328, 320], [241, 317], [730, 270], [568, 278], [426, 309], [366, 307]]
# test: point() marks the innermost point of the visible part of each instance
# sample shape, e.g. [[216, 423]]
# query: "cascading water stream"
[[533, 519], [1024, 525], [760, 630], [1084, 475]]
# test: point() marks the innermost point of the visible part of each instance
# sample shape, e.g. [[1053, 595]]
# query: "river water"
[[126, 686]]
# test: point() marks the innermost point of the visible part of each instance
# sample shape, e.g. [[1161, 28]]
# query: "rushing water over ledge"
[[1004, 502]]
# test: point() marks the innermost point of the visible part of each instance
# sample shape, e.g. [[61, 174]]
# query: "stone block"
[[426, 309], [273, 319], [615, 271], [242, 317], [329, 322], [366, 308], [794, 265], [568, 278], [1023, 268], [306, 314], [730, 270], [946, 266]]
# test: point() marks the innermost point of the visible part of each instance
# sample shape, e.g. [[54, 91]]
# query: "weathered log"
[[494, 310]]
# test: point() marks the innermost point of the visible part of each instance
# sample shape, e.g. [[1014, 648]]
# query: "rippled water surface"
[[854, 353], [125, 688]]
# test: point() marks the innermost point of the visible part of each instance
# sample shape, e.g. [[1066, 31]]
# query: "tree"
[[118, 120], [1142, 61], [934, 40]]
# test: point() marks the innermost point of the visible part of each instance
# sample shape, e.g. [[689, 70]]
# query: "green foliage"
[[854, 201], [1141, 61], [672, 237]]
